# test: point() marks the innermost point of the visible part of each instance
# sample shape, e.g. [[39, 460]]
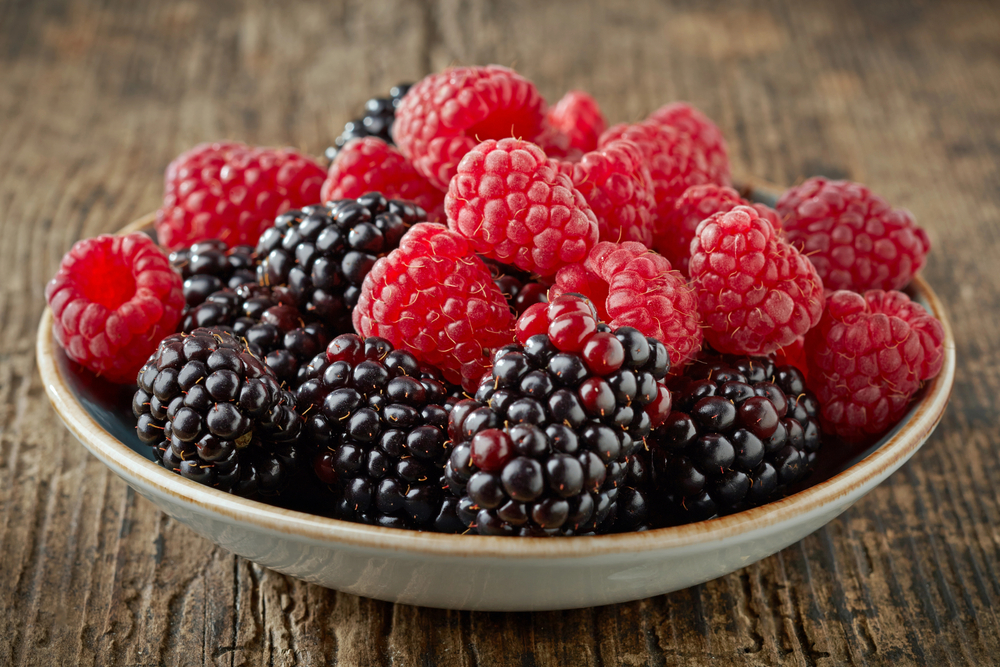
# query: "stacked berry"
[[210, 266], [546, 443], [215, 414], [378, 421], [380, 112], [742, 431]]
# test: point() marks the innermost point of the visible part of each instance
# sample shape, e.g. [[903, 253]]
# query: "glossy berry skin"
[[615, 182], [514, 206], [578, 117], [210, 266], [232, 192], [322, 254], [545, 444], [372, 165], [380, 113], [444, 116], [856, 240], [706, 137], [377, 422], [868, 356], [632, 286], [214, 413], [435, 299], [756, 293], [741, 432], [113, 299]]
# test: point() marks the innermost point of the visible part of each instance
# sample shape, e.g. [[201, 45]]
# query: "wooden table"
[[96, 98]]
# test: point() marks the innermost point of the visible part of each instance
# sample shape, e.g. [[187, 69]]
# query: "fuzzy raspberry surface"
[[854, 237], [632, 286], [578, 117], [755, 291], [232, 192], [434, 298], [705, 135], [514, 206], [444, 115], [113, 299], [371, 165], [674, 164], [698, 202], [867, 357], [616, 183]]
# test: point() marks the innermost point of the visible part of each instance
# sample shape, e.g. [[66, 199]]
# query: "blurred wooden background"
[[97, 97]]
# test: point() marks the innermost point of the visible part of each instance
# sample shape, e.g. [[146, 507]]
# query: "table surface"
[[97, 97]]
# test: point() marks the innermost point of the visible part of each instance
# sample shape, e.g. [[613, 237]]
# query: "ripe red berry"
[[491, 449], [579, 118], [705, 136]]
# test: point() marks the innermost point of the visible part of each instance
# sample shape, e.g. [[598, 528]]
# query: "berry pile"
[[495, 316]]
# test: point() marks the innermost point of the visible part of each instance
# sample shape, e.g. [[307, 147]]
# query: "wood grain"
[[96, 98]]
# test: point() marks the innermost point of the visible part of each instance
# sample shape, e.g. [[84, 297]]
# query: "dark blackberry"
[[519, 288], [266, 319], [215, 414], [742, 431], [210, 266], [380, 112], [323, 253], [378, 423], [544, 447]]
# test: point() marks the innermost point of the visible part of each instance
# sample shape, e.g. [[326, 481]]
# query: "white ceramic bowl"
[[476, 572]]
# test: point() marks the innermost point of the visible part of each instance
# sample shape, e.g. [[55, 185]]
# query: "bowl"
[[482, 572]]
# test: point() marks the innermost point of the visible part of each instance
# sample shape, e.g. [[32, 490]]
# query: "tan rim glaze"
[[130, 465]]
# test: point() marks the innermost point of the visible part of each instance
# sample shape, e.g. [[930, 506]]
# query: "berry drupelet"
[[519, 288], [742, 431], [277, 329], [213, 412], [210, 266], [380, 112], [378, 422], [323, 253], [546, 443]]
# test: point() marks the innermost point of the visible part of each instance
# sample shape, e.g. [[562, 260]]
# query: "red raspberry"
[[513, 205], [371, 165], [852, 236], [707, 137], [113, 299], [632, 286], [444, 116], [868, 356], [556, 145], [232, 192], [616, 183], [435, 299], [697, 203], [578, 117], [755, 291], [673, 162]]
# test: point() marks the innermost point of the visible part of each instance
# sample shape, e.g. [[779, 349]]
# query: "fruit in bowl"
[[510, 370]]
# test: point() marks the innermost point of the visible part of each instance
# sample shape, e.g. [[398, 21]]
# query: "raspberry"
[[674, 164], [755, 291], [868, 356], [435, 299], [632, 286], [113, 299], [445, 115], [578, 117], [616, 183], [707, 137], [697, 203], [513, 206], [371, 165], [852, 236], [232, 192]]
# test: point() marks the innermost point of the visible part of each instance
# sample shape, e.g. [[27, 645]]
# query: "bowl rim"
[[135, 469]]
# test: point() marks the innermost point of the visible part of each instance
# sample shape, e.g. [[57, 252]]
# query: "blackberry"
[[379, 425], [276, 330], [215, 414], [519, 288], [742, 431], [210, 266], [380, 112], [323, 253], [547, 442]]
